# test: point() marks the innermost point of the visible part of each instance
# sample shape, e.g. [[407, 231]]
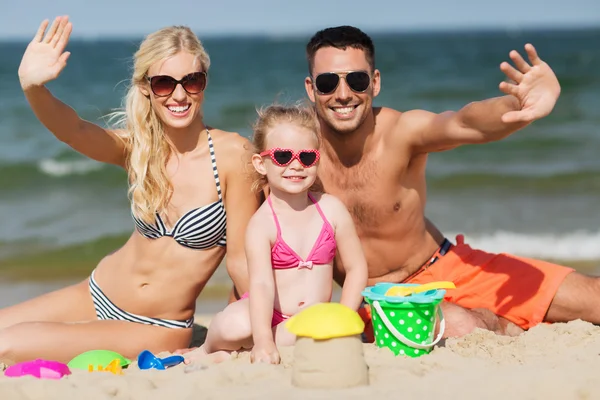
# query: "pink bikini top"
[[323, 251]]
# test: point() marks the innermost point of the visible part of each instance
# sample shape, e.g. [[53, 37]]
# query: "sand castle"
[[328, 351]]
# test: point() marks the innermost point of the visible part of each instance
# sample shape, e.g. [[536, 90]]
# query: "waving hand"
[[45, 56], [535, 86]]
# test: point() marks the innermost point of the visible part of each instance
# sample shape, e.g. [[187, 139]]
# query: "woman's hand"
[[45, 58]]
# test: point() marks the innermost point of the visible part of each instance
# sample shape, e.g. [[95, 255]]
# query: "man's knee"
[[460, 321]]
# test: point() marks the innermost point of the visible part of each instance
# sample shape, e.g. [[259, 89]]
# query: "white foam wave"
[[573, 246], [63, 168]]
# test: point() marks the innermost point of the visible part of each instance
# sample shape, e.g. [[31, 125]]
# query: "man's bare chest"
[[371, 195]]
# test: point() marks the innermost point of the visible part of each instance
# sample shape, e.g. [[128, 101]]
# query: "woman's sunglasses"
[[164, 85], [283, 157], [327, 82]]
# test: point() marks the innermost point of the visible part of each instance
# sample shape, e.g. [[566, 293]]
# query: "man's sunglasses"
[[283, 157], [328, 82], [164, 85]]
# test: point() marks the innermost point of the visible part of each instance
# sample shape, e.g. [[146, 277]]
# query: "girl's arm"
[[262, 283], [351, 254]]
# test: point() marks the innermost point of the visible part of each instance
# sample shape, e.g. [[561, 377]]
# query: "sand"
[[559, 361], [329, 364]]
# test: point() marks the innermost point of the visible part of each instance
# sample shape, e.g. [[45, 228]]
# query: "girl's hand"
[[265, 352]]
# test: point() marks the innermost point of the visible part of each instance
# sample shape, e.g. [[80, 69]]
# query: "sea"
[[536, 193]]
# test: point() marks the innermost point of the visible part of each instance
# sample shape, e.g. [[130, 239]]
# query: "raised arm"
[[351, 254], [240, 204], [43, 61], [531, 96]]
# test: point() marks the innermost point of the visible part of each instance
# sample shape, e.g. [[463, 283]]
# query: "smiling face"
[[294, 177], [344, 109], [180, 108]]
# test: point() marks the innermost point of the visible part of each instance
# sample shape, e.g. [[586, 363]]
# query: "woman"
[[190, 193]]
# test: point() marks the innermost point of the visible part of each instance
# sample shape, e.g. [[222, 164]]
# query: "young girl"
[[291, 241]]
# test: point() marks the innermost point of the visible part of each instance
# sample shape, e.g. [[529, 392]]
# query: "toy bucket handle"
[[403, 338]]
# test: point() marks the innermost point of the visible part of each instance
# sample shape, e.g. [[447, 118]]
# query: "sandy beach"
[[534, 194], [549, 361]]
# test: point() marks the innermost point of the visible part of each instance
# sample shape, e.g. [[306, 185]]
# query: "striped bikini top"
[[201, 228]]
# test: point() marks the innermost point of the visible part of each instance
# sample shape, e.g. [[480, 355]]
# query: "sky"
[[110, 18]]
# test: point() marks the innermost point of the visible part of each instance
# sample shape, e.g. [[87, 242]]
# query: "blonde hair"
[[147, 145], [299, 114]]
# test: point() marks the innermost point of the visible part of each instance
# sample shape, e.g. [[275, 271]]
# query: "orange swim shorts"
[[516, 288]]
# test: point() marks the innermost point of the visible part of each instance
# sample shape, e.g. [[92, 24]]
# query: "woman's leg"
[[61, 341], [70, 304]]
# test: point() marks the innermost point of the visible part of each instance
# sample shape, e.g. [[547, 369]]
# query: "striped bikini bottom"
[[106, 310]]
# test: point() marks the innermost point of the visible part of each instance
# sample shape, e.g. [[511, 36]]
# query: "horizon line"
[[372, 32]]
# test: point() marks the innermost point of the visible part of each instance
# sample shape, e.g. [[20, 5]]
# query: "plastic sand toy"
[[404, 316], [113, 367], [398, 290], [97, 358], [326, 321], [42, 369], [147, 360]]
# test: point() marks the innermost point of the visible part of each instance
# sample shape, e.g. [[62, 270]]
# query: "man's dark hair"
[[341, 37]]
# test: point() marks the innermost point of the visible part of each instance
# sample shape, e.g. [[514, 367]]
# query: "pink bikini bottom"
[[278, 317]]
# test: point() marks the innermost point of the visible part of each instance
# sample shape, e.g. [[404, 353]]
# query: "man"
[[374, 160]]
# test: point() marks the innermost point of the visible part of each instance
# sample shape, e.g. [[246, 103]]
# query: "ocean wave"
[[71, 167], [572, 246], [48, 173]]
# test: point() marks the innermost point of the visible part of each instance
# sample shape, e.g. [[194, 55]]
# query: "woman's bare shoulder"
[[233, 151], [230, 141]]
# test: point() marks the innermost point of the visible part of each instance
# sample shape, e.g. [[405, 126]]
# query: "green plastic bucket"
[[405, 324]]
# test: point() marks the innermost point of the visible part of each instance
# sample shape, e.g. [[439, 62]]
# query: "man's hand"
[[535, 86]]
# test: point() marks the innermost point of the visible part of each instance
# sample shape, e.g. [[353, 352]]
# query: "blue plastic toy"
[[147, 360]]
